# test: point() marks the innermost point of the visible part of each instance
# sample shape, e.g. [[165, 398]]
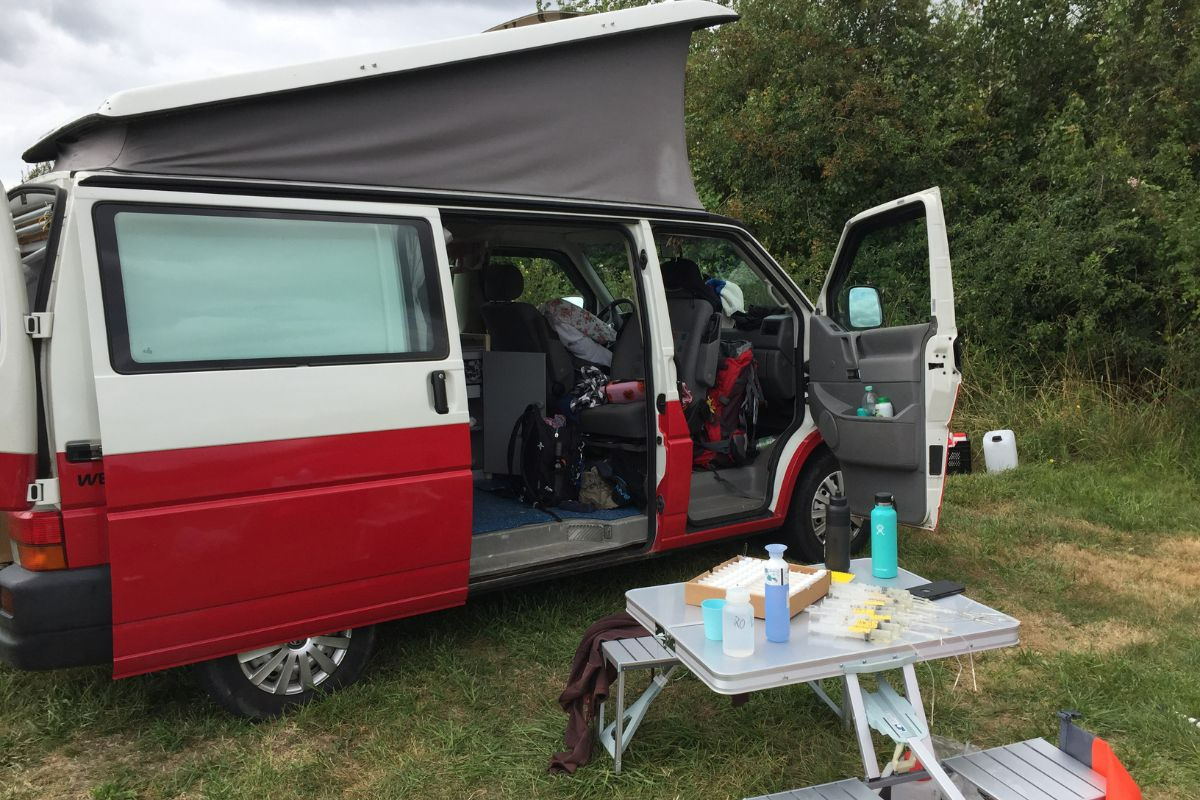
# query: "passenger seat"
[[695, 311]]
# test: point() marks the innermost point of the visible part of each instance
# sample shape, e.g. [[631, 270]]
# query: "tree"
[[1065, 136]]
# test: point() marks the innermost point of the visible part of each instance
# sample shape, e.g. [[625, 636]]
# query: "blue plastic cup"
[[712, 609]]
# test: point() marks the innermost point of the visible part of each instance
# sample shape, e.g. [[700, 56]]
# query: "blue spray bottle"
[[779, 618], [884, 546]]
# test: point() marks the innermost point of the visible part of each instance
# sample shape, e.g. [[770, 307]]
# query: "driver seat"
[[624, 420], [517, 327]]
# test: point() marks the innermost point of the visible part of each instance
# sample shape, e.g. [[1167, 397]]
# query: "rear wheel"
[[265, 682], [804, 529]]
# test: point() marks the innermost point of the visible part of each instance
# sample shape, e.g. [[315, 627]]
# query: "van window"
[[546, 274], [721, 262], [610, 262], [196, 287], [892, 258]]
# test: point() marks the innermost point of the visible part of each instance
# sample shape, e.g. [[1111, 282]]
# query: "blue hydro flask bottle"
[[883, 537]]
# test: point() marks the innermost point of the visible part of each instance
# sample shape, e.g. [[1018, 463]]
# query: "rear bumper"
[[59, 619]]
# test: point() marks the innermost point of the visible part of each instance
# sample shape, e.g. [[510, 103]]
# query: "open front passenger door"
[[885, 319]]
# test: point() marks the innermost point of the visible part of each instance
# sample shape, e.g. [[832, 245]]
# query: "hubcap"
[[828, 488], [297, 666]]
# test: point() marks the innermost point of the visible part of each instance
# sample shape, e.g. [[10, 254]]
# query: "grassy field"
[[1099, 561]]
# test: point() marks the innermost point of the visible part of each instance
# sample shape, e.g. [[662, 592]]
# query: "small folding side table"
[[810, 658]]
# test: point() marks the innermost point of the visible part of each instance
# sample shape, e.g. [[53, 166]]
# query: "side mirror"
[[864, 308]]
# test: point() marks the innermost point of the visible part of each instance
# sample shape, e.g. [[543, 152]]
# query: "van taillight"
[[37, 539]]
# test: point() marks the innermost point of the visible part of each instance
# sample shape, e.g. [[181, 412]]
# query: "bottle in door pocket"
[[868, 402]]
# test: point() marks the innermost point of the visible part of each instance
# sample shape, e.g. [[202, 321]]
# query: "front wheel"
[[265, 682], [804, 529]]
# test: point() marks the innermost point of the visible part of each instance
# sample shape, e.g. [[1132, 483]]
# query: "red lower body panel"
[[682, 538], [208, 633], [17, 471], [676, 485], [222, 549]]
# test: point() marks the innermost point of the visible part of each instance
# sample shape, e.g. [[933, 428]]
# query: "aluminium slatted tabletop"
[[808, 656], [644, 652], [1030, 770]]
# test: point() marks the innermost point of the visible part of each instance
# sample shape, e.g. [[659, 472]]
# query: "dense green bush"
[[1065, 137]]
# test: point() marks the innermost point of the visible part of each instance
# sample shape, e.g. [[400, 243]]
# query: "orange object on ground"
[[1121, 785]]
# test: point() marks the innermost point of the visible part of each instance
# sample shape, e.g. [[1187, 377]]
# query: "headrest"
[[502, 282], [682, 276]]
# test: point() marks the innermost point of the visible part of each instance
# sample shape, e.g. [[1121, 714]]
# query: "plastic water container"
[[999, 450], [737, 623]]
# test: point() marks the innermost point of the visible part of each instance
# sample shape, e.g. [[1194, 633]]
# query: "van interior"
[[509, 277]]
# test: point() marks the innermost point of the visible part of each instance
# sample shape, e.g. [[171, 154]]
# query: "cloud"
[[60, 58]]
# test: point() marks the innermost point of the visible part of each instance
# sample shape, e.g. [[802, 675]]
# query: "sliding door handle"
[[438, 380]]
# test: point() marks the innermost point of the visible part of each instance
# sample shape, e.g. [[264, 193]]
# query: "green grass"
[[1093, 544]]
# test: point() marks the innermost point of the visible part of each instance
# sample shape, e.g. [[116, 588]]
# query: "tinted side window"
[[544, 277], [894, 259], [719, 260], [197, 288]]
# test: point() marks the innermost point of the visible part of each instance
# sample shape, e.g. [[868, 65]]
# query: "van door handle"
[[440, 404]]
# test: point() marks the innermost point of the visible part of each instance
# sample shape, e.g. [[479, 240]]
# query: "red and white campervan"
[[264, 340]]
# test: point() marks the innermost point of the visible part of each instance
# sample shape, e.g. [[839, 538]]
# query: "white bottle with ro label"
[[737, 623]]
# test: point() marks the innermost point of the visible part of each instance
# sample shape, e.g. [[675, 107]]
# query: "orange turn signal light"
[[37, 537]]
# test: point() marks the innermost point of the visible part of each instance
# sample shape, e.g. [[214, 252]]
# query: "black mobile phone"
[[937, 589]]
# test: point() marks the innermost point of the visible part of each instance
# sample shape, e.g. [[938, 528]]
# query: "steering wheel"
[[612, 316]]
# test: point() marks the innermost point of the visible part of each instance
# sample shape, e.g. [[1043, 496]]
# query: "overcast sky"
[[61, 58]]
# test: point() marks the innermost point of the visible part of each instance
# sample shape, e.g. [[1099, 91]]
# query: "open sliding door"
[[283, 418], [886, 320]]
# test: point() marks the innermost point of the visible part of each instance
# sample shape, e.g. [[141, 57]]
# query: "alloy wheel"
[[297, 666]]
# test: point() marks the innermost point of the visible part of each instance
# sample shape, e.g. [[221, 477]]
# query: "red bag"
[[724, 433]]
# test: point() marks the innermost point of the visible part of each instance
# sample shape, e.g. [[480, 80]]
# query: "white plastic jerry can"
[[999, 450]]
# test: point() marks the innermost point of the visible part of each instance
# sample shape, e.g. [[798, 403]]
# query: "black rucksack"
[[544, 459]]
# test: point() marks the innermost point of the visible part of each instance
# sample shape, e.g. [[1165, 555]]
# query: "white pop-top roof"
[[166, 97]]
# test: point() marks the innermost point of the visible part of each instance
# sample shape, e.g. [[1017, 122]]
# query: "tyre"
[[266, 682], [804, 529]]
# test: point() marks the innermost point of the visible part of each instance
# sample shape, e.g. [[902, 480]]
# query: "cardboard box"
[[695, 593]]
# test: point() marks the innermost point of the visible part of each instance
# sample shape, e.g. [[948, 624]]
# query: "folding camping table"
[[810, 658]]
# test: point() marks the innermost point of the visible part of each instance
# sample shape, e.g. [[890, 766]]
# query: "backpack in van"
[[725, 436], [544, 458]]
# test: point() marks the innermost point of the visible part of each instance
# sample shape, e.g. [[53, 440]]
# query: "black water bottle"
[[837, 534]]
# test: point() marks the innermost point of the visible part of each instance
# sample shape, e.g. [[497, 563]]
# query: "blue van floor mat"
[[492, 512]]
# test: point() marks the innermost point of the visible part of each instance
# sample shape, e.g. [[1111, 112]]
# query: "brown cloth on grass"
[[587, 687]]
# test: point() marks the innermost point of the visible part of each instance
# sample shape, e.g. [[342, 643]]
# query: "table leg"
[[820, 692], [858, 712], [929, 761], [847, 712], [600, 721], [617, 743], [912, 691]]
